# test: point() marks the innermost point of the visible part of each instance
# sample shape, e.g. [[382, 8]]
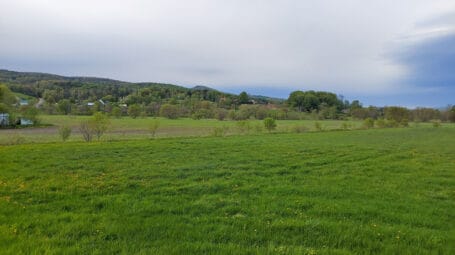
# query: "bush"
[[116, 112], [269, 124], [261, 113], [202, 114], [396, 113], [134, 111], [64, 132], [99, 124], [64, 106], [169, 111], [381, 123], [318, 126], [232, 115], [96, 126], [404, 123], [221, 114], [436, 123], [368, 123], [392, 124]]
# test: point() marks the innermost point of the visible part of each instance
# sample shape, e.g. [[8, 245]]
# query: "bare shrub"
[[221, 114], [99, 124], [64, 132], [86, 131]]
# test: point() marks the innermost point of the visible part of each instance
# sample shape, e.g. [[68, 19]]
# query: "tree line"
[[86, 96]]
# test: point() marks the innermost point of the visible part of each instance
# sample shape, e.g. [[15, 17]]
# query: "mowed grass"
[[126, 128], [381, 191]]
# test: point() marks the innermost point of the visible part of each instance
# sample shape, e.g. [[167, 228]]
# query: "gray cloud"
[[342, 46]]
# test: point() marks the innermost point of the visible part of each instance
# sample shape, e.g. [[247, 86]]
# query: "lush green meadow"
[[377, 191]]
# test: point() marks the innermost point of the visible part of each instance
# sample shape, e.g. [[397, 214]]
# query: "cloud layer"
[[366, 49]]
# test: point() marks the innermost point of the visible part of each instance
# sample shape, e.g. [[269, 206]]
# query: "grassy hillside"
[[387, 191]]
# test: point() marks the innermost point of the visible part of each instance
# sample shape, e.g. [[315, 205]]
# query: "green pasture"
[[127, 128], [376, 191]]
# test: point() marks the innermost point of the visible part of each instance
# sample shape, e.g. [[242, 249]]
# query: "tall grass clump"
[[345, 125], [153, 127], [220, 131], [15, 139], [258, 128], [299, 128], [243, 126], [318, 126]]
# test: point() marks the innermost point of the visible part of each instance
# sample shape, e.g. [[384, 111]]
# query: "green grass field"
[[127, 128], [378, 191]]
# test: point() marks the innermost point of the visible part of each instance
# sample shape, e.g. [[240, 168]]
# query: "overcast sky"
[[383, 52]]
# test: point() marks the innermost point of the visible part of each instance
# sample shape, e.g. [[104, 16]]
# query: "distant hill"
[[30, 78], [80, 88], [34, 83], [200, 87]]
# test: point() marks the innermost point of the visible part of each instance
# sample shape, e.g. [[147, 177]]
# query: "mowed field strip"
[[377, 191]]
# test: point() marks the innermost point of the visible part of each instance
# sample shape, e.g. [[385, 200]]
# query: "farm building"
[[4, 119], [23, 102], [26, 122]]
